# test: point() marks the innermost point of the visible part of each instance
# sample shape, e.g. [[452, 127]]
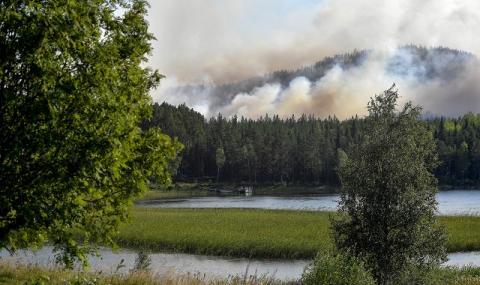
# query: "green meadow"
[[255, 233]]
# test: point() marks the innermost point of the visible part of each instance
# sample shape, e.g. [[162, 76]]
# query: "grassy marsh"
[[255, 233]]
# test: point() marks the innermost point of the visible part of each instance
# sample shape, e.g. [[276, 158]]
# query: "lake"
[[453, 202], [211, 266]]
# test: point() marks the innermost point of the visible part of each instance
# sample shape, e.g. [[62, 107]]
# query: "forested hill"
[[304, 150]]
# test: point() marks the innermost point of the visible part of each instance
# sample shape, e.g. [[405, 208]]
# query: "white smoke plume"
[[344, 92], [213, 42]]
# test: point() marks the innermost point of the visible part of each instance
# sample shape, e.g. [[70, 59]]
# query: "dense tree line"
[[298, 150]]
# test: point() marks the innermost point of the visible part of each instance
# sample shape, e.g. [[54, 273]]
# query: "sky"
[[219, 41]]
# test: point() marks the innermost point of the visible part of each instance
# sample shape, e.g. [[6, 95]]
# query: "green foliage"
[[73, 91], [336, 268], [387, 207], [459, 149]]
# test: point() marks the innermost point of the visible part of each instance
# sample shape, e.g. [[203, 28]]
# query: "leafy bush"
[[336, 268]]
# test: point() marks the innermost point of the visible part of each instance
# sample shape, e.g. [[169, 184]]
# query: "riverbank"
[[252, 233], [191, 189], [16, 274], [198, 187]]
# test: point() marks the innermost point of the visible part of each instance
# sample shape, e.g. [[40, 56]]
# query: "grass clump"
[[462, 232], [452, 275], [142, 262]]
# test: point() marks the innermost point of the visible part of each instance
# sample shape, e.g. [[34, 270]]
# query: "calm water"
[[162, 263], [455, 202], [211, 266]]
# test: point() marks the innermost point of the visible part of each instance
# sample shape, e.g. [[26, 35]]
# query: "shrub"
[[336, 268]]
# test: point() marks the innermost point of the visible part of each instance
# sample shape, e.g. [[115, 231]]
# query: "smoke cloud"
[[204, 45]]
